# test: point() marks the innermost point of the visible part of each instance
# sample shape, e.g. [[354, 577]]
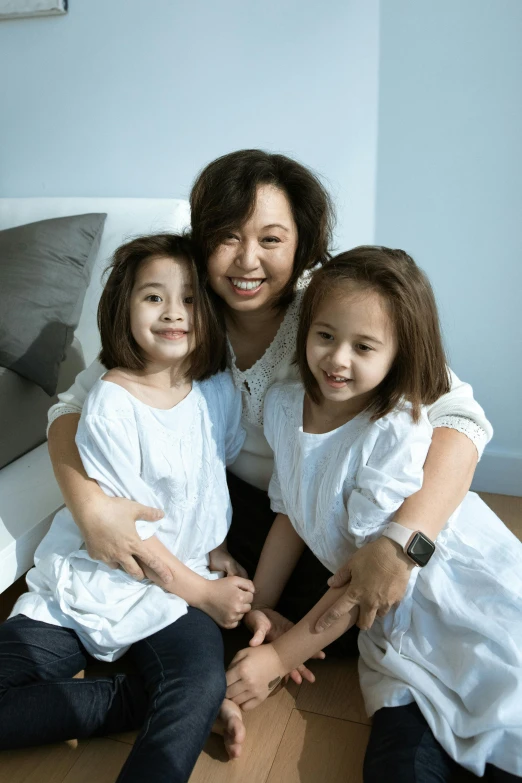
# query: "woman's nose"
[[246, 258]]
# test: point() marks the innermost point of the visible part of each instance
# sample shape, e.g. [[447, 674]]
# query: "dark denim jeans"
[[402, 749], [174, 698]]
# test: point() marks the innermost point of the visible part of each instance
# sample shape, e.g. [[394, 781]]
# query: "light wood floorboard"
[[318, 748], [312, 734]]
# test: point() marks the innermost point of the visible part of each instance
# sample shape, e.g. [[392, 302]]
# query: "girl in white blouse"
[[441, 672], [158, 428]]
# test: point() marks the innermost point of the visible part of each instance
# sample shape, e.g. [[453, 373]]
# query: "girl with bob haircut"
[[441, 672], [158, 428]]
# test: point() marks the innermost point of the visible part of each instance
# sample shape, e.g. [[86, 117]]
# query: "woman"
[[260, 222]]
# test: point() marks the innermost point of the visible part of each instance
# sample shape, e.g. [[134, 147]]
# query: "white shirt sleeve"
[[270, 425], [111, 455], [391, 470], [235, 434], [460, 411], [72, 401]]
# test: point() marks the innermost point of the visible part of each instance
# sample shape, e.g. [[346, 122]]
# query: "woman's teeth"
[[245, 285], [337, 378]]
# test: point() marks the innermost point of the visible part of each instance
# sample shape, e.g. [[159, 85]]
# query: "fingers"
[[258, 637], [339, 609], [244, 584], [232, 568], [321, 655], [366, 617], [154, 563], [131, 566], [147, 513], [341, 577], [296, 677], [242, 572], [305, 673]]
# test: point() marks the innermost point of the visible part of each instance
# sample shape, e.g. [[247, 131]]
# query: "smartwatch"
[[415, 544]]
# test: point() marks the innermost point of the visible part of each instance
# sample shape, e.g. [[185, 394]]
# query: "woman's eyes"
[[269, 240], [325, 335], [364, 348], [188, 300]]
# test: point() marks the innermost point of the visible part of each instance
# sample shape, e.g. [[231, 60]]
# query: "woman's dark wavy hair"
[[419, 372], [119, 348], [223, 197]]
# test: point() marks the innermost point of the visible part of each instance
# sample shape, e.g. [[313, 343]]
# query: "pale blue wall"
[[130, 98], [449, 190]]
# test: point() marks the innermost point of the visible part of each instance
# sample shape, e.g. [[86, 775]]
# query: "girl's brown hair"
[[223, 197], [119, 348], [419, 372]]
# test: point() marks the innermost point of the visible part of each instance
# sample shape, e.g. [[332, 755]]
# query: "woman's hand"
[[226, 600], [267, 625], [252, 676], [220, 559], [376, 577], [109, 530]]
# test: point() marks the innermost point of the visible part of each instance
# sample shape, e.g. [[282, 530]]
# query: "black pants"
[[251, 521], [402, 749], [174, 699]]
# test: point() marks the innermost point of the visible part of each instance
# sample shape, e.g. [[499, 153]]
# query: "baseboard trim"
[[500, 473]]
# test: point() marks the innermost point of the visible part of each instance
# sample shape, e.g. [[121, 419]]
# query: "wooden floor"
[[309, 734]]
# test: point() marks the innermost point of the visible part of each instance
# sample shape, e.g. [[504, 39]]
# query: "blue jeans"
[[402, 749], [174, 698]]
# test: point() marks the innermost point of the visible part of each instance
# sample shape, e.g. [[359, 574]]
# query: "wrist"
[[200, 593], [415, 544]]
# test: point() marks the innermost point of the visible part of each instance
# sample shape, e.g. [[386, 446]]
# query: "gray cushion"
[[45, 269], [24, 406]]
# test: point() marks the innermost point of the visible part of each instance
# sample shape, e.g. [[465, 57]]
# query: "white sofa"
[[29, 495]]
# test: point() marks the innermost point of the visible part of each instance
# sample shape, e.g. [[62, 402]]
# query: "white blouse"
[[454, 643], [170, 459], [456, 410]]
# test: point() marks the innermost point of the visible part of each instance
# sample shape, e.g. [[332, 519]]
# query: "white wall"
[[129, 98], [449, 191]]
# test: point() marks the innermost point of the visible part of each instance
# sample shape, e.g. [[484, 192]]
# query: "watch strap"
[[398, 533]]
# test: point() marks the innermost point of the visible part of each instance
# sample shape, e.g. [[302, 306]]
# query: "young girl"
[[159, 427], [442, 672]]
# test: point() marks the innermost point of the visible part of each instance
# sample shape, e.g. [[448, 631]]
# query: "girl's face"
[[252, 265], [351, 347], [161, 314]]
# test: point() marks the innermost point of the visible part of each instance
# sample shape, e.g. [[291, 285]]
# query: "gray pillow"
[[24, 406], [45, 269]]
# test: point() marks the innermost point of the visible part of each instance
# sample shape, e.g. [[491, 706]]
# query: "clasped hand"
[[256, 671], [376, 577]]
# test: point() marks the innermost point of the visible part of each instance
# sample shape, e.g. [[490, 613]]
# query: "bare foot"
[[230, 725]]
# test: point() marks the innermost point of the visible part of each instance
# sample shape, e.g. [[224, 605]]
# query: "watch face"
[[421, 549]]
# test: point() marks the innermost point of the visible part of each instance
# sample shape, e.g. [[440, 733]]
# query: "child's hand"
[[220, 559], [267, 625], [253, 674], [227, 600]]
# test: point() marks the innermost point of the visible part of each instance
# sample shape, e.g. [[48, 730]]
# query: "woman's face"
[[252, 265]]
